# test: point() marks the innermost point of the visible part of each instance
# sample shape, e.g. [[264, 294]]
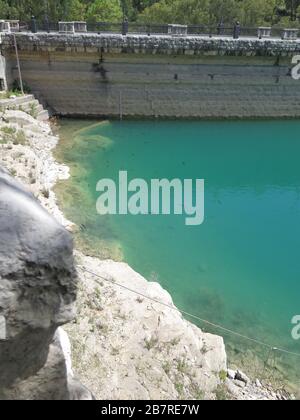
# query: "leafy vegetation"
[[223, 375], [151, 343], [248, 12], [212, 12], [9, 93], [11, 134], [222, 393], [20, 138], [33, 111], [8, 130]]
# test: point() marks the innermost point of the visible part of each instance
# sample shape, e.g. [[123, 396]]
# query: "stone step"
[[43, 116], [16, 102], [19, 100], [28, 104], [36, 106], [23, 105]]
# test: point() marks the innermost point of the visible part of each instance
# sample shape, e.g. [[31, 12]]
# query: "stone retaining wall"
[[154, 44], [159, 76]]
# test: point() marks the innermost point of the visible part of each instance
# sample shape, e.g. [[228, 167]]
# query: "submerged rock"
[[242, 377], [37, 293]]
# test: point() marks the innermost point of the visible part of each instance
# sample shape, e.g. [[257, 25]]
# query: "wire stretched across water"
[[204, 321]]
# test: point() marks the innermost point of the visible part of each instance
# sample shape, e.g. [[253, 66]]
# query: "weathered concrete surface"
[[37, 294], [159, 76], [3, 84]]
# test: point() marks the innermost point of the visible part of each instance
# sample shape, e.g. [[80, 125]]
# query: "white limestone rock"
[[19, 117], [231, 374], [144, 349]]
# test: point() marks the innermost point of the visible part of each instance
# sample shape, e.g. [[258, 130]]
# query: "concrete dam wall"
[[137, 76]]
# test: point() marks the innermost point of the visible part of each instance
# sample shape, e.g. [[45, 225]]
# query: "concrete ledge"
[[159, 44]]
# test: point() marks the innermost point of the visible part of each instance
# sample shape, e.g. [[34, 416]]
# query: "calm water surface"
[[241, 268]]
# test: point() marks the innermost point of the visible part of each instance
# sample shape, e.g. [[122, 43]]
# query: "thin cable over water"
[[253, 340]]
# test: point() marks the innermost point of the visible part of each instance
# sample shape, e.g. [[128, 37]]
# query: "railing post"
[[220, 28], [47, 24], [125, 27], [236, 30], [33, 25]]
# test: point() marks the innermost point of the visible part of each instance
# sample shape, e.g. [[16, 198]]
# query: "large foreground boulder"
[[37, 294]]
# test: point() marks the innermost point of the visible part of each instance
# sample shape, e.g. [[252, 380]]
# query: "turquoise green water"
[[241, 268]]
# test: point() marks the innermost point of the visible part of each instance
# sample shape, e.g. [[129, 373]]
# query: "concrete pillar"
[[33, 25], [125, 26], [290, 33], [177, 29], [4, 26], [236, 30], [264, 32], [66, 27], [14, 25], [80, 26], [220, 28], [47, 24], [3, 80]]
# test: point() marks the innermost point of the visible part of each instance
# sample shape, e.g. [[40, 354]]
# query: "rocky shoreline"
[[123, 346]]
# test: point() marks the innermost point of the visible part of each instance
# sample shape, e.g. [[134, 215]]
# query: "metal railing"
[[235, 31]]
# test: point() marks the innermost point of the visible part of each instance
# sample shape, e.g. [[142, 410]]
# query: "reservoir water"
[[241, 267]]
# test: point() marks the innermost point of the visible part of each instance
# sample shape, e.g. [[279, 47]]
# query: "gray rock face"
[[37, 293]]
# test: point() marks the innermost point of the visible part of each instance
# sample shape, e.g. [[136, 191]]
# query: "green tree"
[[226, 11], [160, 12], [133, 7], [140, 5], [104, 10], [257, 12], [177, 11], [76, 10], [66, 9], [292, 8], [5, 11], [55, 9], [249, 12]]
